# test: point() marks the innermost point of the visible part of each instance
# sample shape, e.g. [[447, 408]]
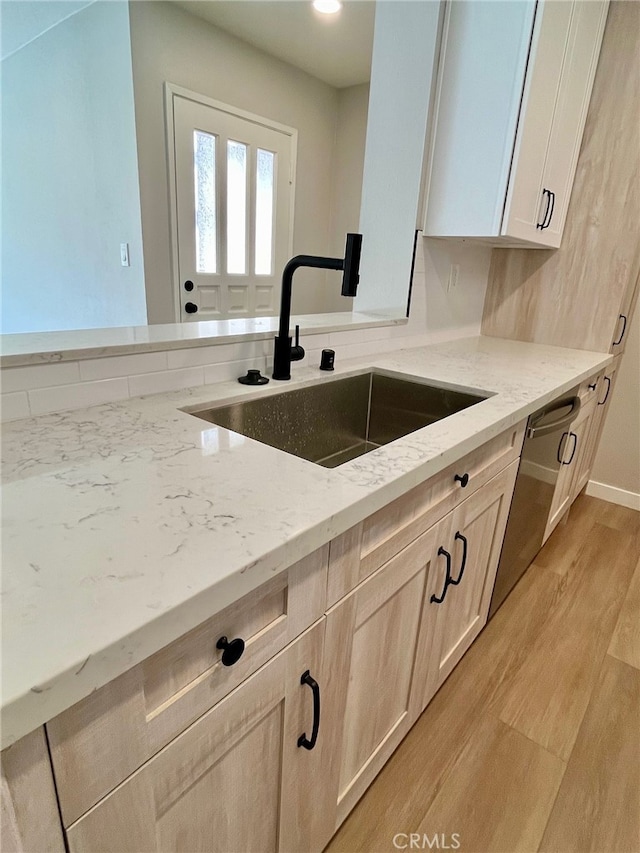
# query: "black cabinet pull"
[[313, 684], [188, 286], [593, 387], [552, 206], [232, 650], [607, 379], [573, 449], [561, 448], [191, 308], [546, 219], [622, 317], [463, 480], [463, 564], [434, 598]]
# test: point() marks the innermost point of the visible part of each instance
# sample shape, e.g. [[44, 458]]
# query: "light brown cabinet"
[[459, 592], [104, 738], [627, 305], [375, 649], [604, 389], [237, 779], [394, 639], [570, 453]]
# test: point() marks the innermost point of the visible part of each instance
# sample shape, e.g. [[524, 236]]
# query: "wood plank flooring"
[[533, 743]]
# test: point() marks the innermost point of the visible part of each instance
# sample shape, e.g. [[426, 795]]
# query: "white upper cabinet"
[[512, 95]]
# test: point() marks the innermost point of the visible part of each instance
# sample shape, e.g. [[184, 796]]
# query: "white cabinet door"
[[526, 206], [510, 109], [566, 46]]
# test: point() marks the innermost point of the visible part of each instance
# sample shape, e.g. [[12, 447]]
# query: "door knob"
[[191, 308]]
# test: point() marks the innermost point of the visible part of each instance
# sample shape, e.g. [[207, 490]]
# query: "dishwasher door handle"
[[534, 431]]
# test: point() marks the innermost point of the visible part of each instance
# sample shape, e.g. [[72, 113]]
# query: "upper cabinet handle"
[[463, 565], [541, 225], [552, 205], [622, 317], [447, 580], [607, 379]]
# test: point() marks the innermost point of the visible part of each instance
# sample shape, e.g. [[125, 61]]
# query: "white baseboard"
[[613, 494]]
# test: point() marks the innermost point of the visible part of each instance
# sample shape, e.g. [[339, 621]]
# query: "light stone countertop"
[[50, 347], [127, 524]]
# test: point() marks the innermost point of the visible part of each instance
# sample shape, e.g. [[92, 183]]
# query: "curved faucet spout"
[[350, 264]]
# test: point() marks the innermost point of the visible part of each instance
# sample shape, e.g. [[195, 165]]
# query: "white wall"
[[168, 44], [617, 463], [69, 175]]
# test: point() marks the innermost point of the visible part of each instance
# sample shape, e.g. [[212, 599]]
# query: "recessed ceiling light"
[[327, 7]]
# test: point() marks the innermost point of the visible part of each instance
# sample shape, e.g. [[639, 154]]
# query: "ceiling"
[[334, 48]]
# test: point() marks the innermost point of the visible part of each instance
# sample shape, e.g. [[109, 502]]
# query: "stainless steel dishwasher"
[[548, 445]]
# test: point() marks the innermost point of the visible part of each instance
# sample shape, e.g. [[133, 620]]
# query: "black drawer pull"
[[561, 448], [232, 650], [573, 449], [463, 480], [607, 379], [434, 598], [622, 317], [463, 564], [313, 684]]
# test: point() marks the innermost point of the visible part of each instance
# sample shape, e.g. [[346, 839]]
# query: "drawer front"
[[105, 737], [367, 546]]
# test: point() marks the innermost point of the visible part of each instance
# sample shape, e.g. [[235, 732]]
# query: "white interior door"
[[233, 190]]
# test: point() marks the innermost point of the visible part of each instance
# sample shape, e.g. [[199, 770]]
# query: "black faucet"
[[284, 353]]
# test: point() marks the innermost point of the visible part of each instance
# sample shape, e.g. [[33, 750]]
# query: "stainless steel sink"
[[334, 422]]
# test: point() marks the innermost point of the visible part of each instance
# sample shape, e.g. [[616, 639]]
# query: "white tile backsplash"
[[123, 365], [165, 380], [43, 401], [39, 376], [217, 354], [14, 406]]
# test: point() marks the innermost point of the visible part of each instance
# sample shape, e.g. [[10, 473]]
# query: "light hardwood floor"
[[533, 743]]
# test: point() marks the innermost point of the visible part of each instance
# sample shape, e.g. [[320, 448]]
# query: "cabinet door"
[[574, 93], [619, 339], [584, 458], [594, 429], [236, 780], [371, 651], [565, 50], [525, 208], [458, 610], [571, 450]]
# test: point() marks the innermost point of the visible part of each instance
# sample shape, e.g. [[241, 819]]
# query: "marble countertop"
[[48, 347], [127, 524]]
